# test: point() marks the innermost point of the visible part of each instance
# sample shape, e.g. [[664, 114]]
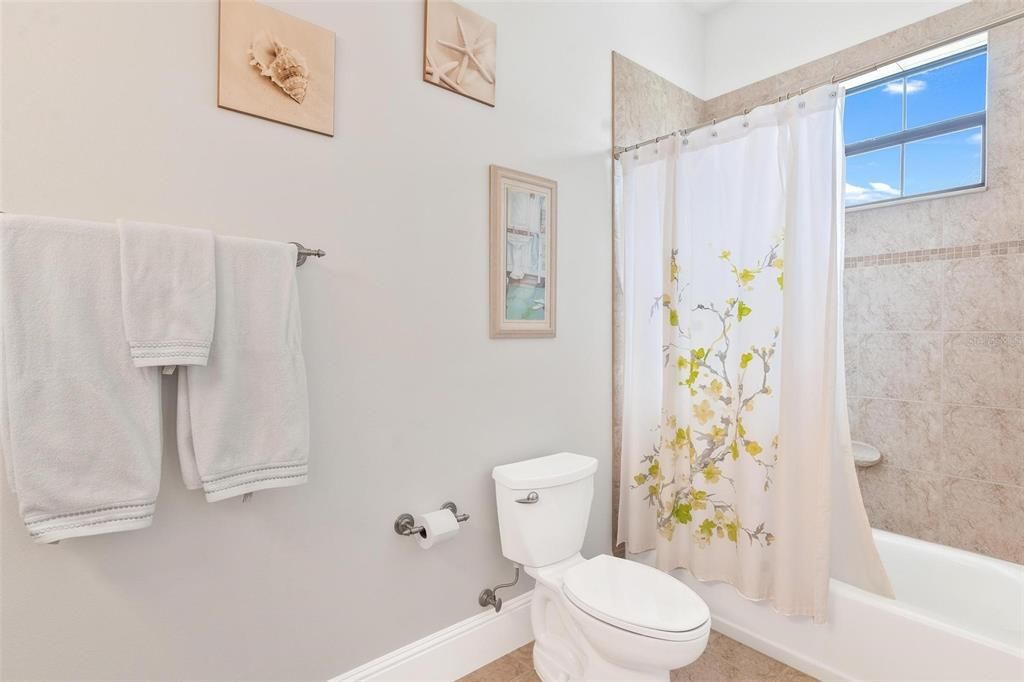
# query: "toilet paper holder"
[[405, 524]]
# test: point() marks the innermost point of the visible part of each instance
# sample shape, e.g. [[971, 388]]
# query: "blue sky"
[[931, 164]]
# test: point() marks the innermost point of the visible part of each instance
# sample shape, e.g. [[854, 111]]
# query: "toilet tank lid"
[[545, 472]]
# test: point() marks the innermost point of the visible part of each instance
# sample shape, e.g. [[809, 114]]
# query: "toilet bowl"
[[602, 618]]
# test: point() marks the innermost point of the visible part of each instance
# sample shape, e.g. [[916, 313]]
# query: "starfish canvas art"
[[459, 51]]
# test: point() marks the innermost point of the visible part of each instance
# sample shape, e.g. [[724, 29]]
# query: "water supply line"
[[489, 596]]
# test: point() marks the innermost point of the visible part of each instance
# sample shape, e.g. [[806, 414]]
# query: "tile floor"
[[725, 660]]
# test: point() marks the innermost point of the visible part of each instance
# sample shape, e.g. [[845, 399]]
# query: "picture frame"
[[460, 50], [523, 254], [274, 66]]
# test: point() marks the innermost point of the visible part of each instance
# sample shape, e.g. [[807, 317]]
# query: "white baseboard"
[[455, 651]]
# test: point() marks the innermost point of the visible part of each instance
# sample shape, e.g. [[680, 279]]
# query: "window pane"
[[874, 176], [944, 162], [874, 112], [946, 91]]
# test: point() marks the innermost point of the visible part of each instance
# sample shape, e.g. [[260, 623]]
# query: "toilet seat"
[[636, 598]]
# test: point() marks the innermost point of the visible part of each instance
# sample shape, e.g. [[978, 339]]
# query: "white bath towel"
[[80, 430], [168, 293], [243, 420]]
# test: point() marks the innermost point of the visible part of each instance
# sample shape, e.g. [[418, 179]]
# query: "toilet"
[[602, 618]]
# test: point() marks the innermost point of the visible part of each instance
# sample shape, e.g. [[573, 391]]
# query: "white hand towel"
[[168, 292], [81, 426], [243, 420]]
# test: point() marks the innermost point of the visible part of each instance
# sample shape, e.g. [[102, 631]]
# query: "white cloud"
[[915, 86], [884, 188], [976, 138], [875, 191], [896, 88]]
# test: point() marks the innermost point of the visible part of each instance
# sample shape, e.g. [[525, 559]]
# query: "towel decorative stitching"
[[248, 472], [255, 480], [164, 344], [89, 511], [157, 354], [37, 534]]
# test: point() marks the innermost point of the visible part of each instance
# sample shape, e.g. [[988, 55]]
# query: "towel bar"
[[305, 253]]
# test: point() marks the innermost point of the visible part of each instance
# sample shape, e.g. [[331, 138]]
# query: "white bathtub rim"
[[890, 606], [963, 554], [922, 616]]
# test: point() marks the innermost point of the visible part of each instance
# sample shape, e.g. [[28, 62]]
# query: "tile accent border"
[[1015, 246]]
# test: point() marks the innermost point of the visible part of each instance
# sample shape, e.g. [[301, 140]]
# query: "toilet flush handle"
[[532, 498]]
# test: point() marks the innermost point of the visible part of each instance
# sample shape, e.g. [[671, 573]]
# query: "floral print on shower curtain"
[[718, 360]]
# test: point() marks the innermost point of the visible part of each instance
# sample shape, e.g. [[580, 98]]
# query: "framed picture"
[[459, 50], [524, 218], [275, 66]]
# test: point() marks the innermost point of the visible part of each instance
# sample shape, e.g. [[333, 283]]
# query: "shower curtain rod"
[[617, 151]]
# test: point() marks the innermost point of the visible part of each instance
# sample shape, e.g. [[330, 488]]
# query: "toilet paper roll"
[[438, 526]]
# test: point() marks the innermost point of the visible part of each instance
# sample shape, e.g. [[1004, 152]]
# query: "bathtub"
[[957, 616]]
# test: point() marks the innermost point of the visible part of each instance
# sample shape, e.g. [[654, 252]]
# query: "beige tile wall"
[[644, 105], [935, 344], [934, 311]]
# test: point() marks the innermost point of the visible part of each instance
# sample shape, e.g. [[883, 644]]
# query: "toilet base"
[[562, 653], [549, 669]]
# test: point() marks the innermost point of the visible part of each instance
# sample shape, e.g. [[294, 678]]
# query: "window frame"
[[906, 136]]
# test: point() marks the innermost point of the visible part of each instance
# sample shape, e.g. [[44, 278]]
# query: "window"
[[917, 126]]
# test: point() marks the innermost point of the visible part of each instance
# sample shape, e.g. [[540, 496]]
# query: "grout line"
[[961, 332], [943, 276], [941, 403], [942, 474]]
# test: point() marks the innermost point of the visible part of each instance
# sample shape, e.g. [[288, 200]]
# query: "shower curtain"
[[736, 458]]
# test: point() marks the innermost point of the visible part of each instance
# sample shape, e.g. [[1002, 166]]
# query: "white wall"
[[109, 109], [748, 41]]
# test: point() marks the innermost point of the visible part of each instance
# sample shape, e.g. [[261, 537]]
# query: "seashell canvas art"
[[459, 51], [276, 66], [283, 65]]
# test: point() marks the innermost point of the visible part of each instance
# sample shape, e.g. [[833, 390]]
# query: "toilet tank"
[[543, 507]]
